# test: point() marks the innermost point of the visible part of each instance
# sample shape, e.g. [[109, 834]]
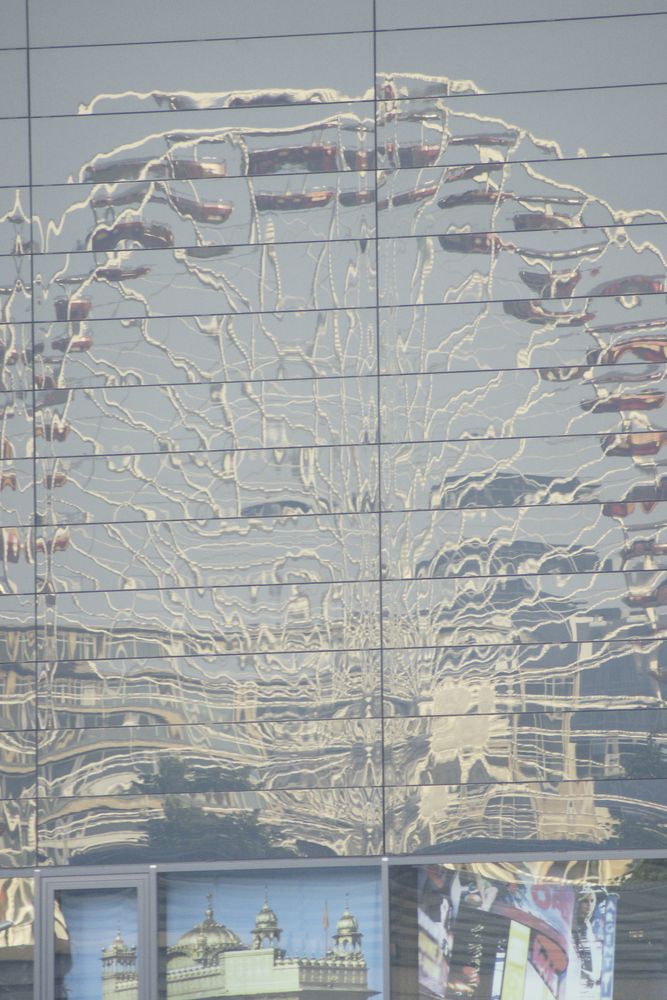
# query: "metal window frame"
[[46, 888]]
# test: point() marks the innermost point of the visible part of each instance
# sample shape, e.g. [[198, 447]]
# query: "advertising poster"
[[489, 939]]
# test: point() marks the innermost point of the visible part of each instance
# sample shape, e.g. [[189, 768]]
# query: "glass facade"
[[332, 497], [537, 931], [486, 930]]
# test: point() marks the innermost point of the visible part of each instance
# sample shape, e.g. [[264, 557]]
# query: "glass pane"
[[96, 943], [565, 930], [312, 933], [16, 938]]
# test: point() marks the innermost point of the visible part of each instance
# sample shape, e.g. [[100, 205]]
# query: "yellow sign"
[[514, 976]]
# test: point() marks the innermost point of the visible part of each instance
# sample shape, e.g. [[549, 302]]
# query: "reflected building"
[[332, 465], [211, 961], [333, 342]]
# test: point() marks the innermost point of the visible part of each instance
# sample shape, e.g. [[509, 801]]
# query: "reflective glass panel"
[[96, 939], [16, 938], [567, 930], [309, 933]]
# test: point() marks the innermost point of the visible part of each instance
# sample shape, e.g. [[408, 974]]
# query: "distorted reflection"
[[17, 938], [96, 943], [569, 930], [237, 326]]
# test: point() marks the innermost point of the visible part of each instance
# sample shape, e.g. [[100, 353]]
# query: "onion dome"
[[266, 918], [347, 939], [209, 936], [347, 923], [266, 930]]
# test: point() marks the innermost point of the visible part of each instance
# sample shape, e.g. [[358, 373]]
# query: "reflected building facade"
[[211, 961], [332, 435]]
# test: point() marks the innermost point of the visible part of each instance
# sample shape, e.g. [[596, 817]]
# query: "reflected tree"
[[649, 760], [174, 774]]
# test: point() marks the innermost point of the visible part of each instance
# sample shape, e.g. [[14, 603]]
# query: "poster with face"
[[593, 938], [438, 891], [520, 939]]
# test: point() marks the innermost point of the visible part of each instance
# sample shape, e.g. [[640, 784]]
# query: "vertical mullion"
[[150, 921], [379, 426], [39, 979], [46, 955], [385, 930], [33, 531]]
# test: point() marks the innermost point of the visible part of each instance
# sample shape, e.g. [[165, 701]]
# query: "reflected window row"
[[328, 223], [289, 616], [422, 341], [225, 151], [615, 403], [621, 471], [445, 750], [256, 617], [312, 552], [306, 547], [155, 688]]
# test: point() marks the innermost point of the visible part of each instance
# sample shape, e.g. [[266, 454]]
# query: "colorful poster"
[[435, 918], [514, 939]]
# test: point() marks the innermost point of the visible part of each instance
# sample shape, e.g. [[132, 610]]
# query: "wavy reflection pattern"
[[332, 435]]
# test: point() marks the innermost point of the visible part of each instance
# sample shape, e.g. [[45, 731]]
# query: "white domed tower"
[[347, 939], [119, 965], [266, 932]]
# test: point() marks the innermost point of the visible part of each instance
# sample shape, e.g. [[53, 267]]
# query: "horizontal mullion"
[[338, 239], [168, 251], [192, 383], [348, 649], [205, 39], [369, 171], [334, 582], [531, 782], [441, 511], [227, 177], [529, 713], [358, 31], [225, 587], [343, 444], [221, 246], [426, 580], [367, 99], [328, 309], [536, 20], [398, 99], [206, 451], [102, 386], [325, 720], [507, 232]]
